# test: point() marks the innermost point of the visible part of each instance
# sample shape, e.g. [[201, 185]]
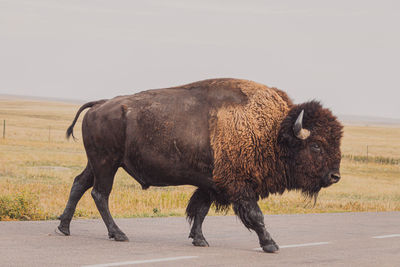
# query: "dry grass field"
[[38, 165]]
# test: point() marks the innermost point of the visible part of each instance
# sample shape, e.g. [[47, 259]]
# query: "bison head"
[[309, 139]]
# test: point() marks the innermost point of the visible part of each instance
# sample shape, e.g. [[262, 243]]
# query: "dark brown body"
[[160, 137], [224, 136]]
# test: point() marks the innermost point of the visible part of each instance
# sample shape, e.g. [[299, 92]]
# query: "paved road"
[[341, 239]]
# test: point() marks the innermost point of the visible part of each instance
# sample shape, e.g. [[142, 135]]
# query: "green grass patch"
[[22, 206]]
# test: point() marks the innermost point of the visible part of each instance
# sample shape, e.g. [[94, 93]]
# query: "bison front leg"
[[250, 214], [196, 211]]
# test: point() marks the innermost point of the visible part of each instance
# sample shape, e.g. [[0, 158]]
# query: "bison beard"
[[236, 140]]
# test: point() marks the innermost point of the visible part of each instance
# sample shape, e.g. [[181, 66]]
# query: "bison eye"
[[315, 147]]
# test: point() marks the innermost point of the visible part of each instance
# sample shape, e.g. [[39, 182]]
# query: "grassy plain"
[[38, 165]]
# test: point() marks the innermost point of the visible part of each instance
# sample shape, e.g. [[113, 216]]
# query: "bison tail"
[[70, 130]]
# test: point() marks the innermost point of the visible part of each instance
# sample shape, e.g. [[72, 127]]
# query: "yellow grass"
[[381, 141], [38, 165]]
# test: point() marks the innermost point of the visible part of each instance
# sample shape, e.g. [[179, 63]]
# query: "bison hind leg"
[[104, 168], [196, 211], [81, 184]]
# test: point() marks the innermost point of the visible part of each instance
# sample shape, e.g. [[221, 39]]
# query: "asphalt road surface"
[[338, 239]]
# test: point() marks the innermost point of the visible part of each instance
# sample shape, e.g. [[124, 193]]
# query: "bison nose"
[[334, 176]]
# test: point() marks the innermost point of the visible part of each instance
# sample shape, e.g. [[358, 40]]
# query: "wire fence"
[[41, 133], [372, 159]]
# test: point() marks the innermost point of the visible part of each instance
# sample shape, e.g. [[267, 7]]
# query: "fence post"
[[367, 154], [4, 129]]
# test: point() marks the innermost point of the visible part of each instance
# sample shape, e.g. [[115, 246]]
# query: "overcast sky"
[[344, 53]]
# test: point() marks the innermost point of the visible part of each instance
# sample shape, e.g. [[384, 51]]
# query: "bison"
[[236, 140]]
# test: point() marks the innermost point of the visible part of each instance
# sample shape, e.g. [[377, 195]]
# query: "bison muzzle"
[[237, 141]]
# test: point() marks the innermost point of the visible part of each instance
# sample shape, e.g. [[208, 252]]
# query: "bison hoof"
[[118, 237], [200, 243], [62, 230], [271, 247]]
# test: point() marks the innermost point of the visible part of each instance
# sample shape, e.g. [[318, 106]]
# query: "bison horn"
[[298, 129]]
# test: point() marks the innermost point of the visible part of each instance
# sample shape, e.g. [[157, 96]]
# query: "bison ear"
[[298, 129]]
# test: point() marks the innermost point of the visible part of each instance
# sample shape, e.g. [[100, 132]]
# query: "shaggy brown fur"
[[255, 150], [243, 139]]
